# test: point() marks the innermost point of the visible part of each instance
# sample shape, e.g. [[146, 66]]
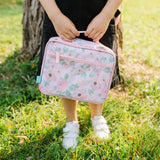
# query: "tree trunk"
[[32, 28], [33, 16]]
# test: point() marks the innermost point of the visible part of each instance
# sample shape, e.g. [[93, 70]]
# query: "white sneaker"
[[100, 127], [70, 135]]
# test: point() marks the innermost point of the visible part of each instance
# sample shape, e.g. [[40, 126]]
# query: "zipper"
[[58, 57]]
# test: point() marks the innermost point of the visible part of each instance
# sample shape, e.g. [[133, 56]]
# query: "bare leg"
[[96, 109], [70, 107], [71, 130], [98, 121]]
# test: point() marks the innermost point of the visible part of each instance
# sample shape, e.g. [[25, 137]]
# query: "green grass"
[[11, 29], [132, 109], [141, 30], [2, 2]]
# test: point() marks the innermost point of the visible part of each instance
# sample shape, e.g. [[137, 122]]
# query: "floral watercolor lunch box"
[[79, 70]]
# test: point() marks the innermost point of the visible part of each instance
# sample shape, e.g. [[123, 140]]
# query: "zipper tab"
[[57, 57], [38, 79]]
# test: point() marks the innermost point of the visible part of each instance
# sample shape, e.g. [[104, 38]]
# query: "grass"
[[141, 30], [2, 2], [31, 123], [11, 27]]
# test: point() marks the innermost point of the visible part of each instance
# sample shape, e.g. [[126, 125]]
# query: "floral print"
[[80, 94], [95, 84], [50, 75], [104, 80], [62, 84], [85, 79]]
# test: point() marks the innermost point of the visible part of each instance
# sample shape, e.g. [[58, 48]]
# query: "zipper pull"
[[57, 57]]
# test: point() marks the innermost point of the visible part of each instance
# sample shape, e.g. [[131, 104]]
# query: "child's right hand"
[[65, 27]]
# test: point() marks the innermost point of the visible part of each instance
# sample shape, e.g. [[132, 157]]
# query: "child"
[[65, 18]]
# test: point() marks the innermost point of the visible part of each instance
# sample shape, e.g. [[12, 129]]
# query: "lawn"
[[10, 29], [31, 123]]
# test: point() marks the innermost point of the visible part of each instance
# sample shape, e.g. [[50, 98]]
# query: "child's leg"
[[70, 107], [98, 121], [71, 130], [96, 109]]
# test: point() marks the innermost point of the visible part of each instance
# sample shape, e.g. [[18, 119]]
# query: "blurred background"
[[31, 123]]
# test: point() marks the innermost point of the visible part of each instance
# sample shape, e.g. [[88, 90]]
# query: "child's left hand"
[[97, 27]]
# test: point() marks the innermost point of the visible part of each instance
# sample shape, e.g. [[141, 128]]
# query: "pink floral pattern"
[[62, 85], [80, 94], [50, 75], [104, 80], [79, 80], [58, 71], [95, 84]]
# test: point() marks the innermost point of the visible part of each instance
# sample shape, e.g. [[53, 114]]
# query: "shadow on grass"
[[17, 83], [47, 145], [18, 88]]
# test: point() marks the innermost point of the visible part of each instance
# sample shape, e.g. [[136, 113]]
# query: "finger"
[[75, 32], [98, 37], [64, 38], [68, 35], [92, 34], [88, 31], [72, 35]]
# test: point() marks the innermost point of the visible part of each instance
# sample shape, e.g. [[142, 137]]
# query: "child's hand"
[[64, 27], [97, 27]]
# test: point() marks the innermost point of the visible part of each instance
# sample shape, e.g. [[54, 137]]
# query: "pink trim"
[[68, 43], [78, 60], [73, 45], [106, 49], [81, 31], [50, 94]]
